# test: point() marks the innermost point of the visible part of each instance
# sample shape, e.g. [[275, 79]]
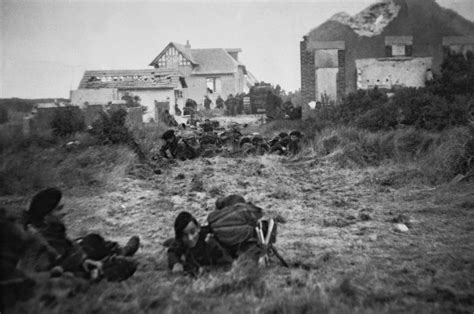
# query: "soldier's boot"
[[119, 268], [131, 247]]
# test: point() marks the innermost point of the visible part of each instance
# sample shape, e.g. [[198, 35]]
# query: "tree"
[[457, 76], [67, 121], [132, 101]]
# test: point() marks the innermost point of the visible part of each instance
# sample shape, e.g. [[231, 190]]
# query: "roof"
[[183, 49], [133, 79], [214, 61], [206, 61]]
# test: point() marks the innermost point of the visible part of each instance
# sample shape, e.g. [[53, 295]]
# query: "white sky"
[[47, 45]]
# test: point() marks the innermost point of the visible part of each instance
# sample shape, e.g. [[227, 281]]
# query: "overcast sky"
[[47, 45]]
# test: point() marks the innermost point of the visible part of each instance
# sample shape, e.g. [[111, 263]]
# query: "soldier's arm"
[[174, 256], [163, 150], [219, 255]]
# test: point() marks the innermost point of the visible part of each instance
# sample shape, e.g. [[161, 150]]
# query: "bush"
[[3, 115], [148, 136], [422, 109], [457, 77], [67, 121], [451, 155], [110, 128]]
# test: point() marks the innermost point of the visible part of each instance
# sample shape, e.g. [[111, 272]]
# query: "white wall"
[[410, 72], [99, 96], [197, 87]]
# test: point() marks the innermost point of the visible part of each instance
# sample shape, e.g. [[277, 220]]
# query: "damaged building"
[[153, 86], [393, 43], [178, 73]]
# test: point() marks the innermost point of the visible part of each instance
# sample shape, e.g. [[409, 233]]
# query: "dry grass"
[[148, 136], [340, 237], [35, 168], [439, 156]]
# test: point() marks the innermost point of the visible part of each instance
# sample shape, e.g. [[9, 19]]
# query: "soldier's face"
[[191, 234], [170, 140]]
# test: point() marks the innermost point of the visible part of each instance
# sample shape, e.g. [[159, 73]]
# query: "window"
[[178, 94], [213, 85], [398, 50], [398, 46]]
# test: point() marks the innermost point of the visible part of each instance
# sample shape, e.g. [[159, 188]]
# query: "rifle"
[[268, 240]]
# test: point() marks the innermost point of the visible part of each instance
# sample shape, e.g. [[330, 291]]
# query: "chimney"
[[188, 45]]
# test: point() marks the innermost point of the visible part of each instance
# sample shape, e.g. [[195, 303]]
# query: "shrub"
[[3, 115], [457, 76], [111, 128], [383, 117], [148, 136], [67, 121], [451, 155], [422, 109]]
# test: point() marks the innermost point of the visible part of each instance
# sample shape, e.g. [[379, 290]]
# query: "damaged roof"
[[133, 79], [422, 19], [372, 20]]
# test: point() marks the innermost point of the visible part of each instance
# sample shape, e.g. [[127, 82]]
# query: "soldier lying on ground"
[[194, 247], [293, 145], [231, 136], [89, 257], [39, 243], [231, 233], [175, 147], [261, 146], [207, 126], [14, 284], [279, 144]]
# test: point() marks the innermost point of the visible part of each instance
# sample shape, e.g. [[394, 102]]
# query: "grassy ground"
[[340, 239]]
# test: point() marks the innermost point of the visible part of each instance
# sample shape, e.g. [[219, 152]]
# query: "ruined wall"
[[424, 21], [148, 97], [98, 96], [387, 73], [197, 87]]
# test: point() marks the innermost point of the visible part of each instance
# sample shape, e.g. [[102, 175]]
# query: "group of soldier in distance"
[[207, 139]]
